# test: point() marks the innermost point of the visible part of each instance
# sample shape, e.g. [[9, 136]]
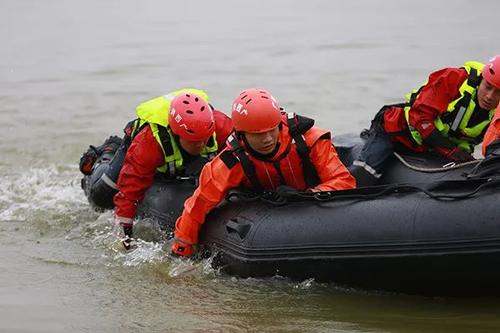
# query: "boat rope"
[[446, 167], [433, 190], [436, 190], [484, 175]]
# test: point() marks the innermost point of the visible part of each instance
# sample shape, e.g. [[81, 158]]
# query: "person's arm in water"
[[137, 174], [216, 180]]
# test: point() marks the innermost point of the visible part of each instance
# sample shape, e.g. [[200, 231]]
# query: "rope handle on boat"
[[446, 167], [430, 191], [372, 192], [481, 178]]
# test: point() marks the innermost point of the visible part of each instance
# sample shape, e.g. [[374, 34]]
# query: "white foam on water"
[[55, 190], [143, 252], [306, 284], [181, 267], [52, 189], [106, 236]]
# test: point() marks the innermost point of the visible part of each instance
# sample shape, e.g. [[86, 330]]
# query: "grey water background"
[[71, 73]]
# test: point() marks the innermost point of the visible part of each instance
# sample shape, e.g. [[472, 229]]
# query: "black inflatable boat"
[[431, 228]]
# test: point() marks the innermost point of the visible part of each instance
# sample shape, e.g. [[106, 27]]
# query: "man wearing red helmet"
[[170, 133], [449, 115], [268, 149]]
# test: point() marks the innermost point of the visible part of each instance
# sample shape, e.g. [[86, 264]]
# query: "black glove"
[[128, 232], [280, 196], [128, 228], [438, 140], [444, 146], [458, 155], [193, 169], [286, 191]]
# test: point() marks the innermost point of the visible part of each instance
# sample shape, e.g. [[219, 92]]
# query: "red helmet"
[[191, 117], [491, 72], [255, 111]]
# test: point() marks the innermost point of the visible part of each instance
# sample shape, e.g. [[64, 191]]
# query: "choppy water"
[[71, 73]]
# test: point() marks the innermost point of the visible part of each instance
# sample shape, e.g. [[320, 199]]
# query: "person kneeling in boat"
[[171, 134], [268, 149], [449, 115]]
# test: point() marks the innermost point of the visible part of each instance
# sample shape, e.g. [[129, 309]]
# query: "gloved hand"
[[280, 196], [127, 225], [193, 169], [182, 249], [458, 155], [286, 191]]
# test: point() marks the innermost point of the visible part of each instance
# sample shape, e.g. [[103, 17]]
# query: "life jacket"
[[461, 122], [297, 125], [154, 113]]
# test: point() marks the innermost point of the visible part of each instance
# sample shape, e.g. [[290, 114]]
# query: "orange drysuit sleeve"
[[331, 171], [216, 180], [493, 132]]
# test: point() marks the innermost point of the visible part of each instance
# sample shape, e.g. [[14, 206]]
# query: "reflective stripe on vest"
[[155, 113], [454, 124]]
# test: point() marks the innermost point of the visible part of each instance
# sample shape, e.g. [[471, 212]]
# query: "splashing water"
[[51, 190]]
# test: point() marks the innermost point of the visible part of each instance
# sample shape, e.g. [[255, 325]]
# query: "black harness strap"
[[136, 129], [131, 130], [276, 165], [454, 118], [474, 79], [413, 96], [165, 140], [246, 164], [377, 124], [298, 125], [211, 143]]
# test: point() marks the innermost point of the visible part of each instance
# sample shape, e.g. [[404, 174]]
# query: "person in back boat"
[[449, 115], [173, 136], [269, 150]]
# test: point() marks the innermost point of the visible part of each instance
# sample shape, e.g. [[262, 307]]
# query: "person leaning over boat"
[[449, 115], [171, 133], [268, 149]]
